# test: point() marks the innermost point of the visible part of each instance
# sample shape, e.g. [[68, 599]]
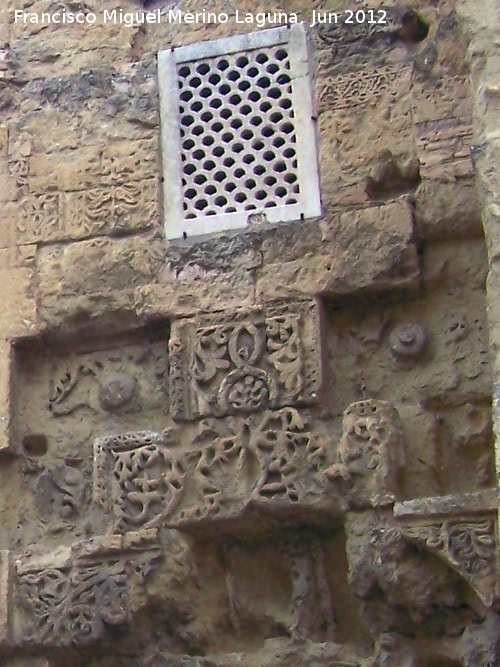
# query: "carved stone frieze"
[[56, 216], [462, 531], [359, 87], [272, 463], [126, 206], [69, 596], [269, 461], [245, 361]]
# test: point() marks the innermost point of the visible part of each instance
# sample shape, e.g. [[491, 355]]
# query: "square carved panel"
[[244, 361]]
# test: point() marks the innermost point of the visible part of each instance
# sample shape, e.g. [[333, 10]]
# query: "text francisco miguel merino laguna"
[[131, 19]]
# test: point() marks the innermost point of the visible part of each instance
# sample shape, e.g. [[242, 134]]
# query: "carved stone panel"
[[371, 454], [245, 361], [274, 464], [136, 480], [271, 464], [66, 397], [69, 596]]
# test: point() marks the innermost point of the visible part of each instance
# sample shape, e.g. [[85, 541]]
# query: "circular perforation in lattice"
[[238, 134]]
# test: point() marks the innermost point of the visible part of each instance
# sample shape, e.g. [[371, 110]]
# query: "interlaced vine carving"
[[242, 362]]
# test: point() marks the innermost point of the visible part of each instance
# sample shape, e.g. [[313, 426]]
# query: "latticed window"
[[238, 132]]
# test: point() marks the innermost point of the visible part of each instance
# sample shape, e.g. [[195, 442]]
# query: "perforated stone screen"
[[238, 132]]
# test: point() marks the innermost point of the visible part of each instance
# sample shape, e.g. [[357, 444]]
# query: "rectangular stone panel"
[[217, 470], [69, 392], [243, 361]]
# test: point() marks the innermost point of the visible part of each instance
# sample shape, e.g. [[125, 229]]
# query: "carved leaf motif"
[[211, 354], [62, 389], [43, 593], [471, 545], [244, 389], [285, 351], [430, 535], [70, 605]]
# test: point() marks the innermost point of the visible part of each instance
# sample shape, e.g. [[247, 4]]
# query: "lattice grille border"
[[238, 132]]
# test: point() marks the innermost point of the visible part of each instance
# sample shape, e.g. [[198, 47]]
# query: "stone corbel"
[[461, 530]]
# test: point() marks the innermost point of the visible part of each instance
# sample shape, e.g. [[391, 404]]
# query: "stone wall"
[[265, 447]]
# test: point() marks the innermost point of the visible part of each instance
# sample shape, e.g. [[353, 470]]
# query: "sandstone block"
[[447, 209], [370, 250]]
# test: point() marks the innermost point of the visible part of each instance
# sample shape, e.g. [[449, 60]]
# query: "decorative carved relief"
[[468, 545], [358, 87], [269, 461], [371, 453], [70, 596], [462, 531], [408, 340], [116, 391], [136, 480], [245, 361], [123, 384], [19, 170], [39, 218], [60, 215], [92, 211]]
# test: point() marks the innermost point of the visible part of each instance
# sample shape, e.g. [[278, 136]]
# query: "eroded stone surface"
[[197, 469]]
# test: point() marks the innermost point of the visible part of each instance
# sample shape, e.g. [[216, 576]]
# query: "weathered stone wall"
[[267, 447]]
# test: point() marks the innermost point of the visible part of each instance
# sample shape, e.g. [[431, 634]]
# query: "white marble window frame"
[[309, 203]]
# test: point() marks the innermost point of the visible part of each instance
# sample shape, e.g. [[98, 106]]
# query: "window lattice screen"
[[238, 132]]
